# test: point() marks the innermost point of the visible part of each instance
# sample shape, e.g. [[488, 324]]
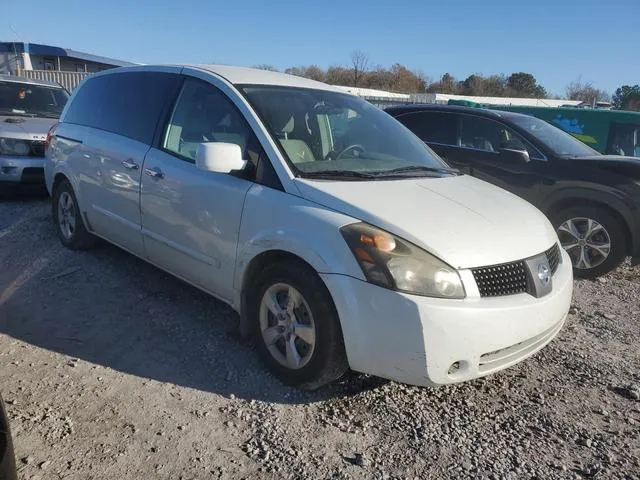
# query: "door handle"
[[130, 165], [154, 172]]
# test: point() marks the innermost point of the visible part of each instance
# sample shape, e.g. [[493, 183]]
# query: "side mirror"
[[515, 155], [219, 157]]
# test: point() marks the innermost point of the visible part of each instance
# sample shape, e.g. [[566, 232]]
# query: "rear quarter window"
[[128, 103], [84, 104]]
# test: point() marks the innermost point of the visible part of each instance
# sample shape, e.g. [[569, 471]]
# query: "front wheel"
[[297, 327], [594, 239]]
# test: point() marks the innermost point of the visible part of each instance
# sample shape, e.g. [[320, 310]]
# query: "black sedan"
[[593, 200], [7, 458]]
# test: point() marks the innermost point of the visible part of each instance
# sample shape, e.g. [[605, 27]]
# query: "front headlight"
[[391, 262], [14, 146]]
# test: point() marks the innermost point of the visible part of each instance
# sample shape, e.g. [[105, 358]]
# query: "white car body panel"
[[187, 228], [111, 192], [273, 221]]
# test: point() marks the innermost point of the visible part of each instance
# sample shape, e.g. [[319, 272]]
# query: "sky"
[[557, 41]]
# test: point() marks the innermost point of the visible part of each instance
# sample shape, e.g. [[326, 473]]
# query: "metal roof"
[[50, 50]]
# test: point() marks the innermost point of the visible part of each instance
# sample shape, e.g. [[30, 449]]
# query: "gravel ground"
[[113, 369]]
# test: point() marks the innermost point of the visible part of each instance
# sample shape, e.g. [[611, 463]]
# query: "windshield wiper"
[[45, 114], [336, 174], [412, 169], [9, 112]]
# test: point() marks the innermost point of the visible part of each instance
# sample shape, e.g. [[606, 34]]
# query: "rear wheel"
[[68, 219], [297, 326], [594, 239]]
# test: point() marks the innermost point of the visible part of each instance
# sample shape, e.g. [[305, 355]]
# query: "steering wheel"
[[355, 146]]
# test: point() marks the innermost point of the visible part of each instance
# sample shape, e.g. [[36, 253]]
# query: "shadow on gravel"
[[23, 193], [111, 309]]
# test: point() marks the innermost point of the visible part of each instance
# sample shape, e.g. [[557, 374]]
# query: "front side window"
[[329, 133], [485, 134], [624, 139], [31, 100], [433, 127], [556, 140], [203, 114]]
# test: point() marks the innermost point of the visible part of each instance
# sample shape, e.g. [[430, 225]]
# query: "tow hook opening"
[[458, 369]]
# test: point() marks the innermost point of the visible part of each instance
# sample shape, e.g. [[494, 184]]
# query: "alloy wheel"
[[586, 241], [287, 326]]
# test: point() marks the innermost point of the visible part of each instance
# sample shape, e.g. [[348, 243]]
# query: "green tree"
[[627, 98], [525, 85], [447, 84]]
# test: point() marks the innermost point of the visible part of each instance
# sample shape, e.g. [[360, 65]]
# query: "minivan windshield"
[[330, 134], [558, 141], [32, 100]]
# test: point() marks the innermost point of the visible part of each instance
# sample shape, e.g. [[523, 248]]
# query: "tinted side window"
[[204, 114], [132, 103], [435, 127], [128, 104], [481, 133], [83, 107]]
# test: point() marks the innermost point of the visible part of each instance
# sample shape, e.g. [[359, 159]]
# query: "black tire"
[[328, 360], [614, 229], [80, 238]]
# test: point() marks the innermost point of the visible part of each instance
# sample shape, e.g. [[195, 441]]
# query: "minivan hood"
[[463, 221], [25, 128]]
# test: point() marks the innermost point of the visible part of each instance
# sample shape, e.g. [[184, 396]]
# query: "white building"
[[387, 98]]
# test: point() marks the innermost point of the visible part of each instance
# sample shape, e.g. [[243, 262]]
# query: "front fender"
[[277, 221]]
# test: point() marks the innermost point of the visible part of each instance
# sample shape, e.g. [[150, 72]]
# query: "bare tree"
[[265, 66], [585, 92], [360, 62], [339, 75]]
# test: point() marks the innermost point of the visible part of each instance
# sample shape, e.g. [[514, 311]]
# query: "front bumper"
[[21, 170], [417, 340]]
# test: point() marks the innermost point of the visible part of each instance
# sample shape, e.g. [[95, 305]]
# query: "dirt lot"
[[114, 370]]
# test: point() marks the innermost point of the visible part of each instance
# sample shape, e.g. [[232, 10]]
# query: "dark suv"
[[593, 200]]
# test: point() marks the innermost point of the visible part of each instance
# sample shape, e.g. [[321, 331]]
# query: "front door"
[[486, 151], [190, 217]]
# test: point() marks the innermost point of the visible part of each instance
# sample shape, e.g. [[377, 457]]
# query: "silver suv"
[[28, 109]]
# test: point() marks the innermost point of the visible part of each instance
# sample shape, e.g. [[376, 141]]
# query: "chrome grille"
[[553, 256], [511, 278], [499, 280]]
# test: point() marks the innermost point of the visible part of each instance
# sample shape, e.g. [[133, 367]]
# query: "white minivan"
[[339, 237]]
